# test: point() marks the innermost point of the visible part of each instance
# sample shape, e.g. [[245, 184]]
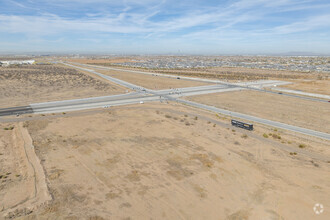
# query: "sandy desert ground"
[[41, 83], [100, 60], [151, 82], [295, 111], [163, 161], [158, 161], [14, 168], [312, 86]]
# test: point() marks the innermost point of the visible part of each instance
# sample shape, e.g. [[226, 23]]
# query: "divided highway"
[[147, 95], [254, 85], [104, 101]]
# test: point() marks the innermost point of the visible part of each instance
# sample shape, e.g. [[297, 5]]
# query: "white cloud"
[[306, 25], [151, 19], [141, 22]]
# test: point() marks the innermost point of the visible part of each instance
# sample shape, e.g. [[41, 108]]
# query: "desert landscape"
[[23, 85], [120, 163], [306, 81], [288, 110], [164, 110], [151, 81], [163, 159], [313, 86]]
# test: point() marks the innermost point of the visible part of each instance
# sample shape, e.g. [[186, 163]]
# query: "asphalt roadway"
[[258, 120], [107, 101], [16, 110], [146, 95], [254, 85]]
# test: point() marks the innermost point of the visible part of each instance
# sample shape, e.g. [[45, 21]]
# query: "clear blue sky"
[[168, 26]]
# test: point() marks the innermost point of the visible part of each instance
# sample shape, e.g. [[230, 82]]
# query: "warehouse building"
[[16, 62]]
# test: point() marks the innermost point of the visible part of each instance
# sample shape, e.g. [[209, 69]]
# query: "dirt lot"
[[151, 82], [312, 86], [98, 60], [121, 164], [13, 168], [22, 178], [294, 111], [22, 85]]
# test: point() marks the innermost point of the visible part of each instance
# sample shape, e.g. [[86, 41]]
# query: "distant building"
[[16, 62]]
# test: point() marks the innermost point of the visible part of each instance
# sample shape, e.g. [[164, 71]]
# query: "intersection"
[[141, 95]]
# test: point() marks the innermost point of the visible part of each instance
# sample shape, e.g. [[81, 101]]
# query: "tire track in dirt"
[[40, 193]]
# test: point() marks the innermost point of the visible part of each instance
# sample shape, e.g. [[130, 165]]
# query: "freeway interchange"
[[141, 95]]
